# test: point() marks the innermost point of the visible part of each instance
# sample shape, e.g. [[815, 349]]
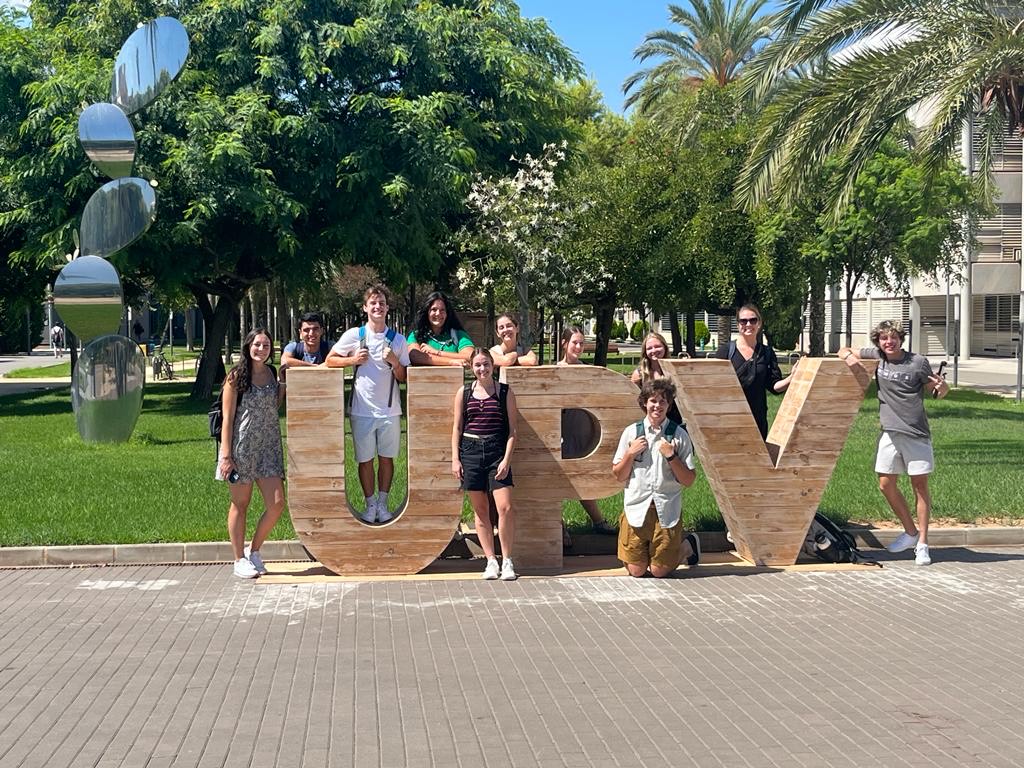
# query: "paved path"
[[186, 666]]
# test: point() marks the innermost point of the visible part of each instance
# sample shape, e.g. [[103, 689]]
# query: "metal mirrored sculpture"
[[88, 295], [149, 60], [106, 392], [108, 139], [117, 214]]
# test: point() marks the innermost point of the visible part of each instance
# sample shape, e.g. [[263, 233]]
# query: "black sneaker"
[[694, 557]]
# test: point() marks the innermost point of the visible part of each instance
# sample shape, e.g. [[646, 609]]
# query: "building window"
[[1001, 313]]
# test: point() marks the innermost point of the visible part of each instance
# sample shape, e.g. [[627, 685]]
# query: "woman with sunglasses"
[[756, 365]]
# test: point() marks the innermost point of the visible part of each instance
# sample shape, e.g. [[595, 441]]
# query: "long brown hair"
[[241, 375], [645, 362]]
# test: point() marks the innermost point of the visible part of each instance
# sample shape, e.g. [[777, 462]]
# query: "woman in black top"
[[756, 366]]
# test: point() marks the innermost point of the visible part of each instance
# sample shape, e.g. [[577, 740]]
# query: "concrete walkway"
[[186, 666]]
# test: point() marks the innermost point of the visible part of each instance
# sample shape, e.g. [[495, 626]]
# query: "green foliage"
[[638, 330], [619, 331], [701, 333], [299, 137], [940, 61]]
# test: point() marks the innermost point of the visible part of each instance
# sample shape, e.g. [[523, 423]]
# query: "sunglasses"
[[749, 320]]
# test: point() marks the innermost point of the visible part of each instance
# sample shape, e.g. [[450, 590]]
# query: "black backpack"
[[827, 541]]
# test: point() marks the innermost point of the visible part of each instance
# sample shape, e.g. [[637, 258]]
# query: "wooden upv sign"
[[768, 505], [768, 494]]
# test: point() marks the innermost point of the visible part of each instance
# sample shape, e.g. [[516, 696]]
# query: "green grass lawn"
[[159, 486], [62, 370]]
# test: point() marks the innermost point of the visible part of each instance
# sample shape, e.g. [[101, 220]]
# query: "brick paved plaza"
[[186, 666]]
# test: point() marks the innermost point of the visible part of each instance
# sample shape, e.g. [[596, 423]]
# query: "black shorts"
[[480, 458]]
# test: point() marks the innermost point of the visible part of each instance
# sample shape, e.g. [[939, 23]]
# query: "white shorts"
[[375, 436], [900, 454]]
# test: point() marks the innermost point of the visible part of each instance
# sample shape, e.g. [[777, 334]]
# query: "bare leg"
[[272, 490], [241, 494], [385, 473], [924, 504], [891, 491], [590, 507], [366, 477], [506, 520], [482, 519]]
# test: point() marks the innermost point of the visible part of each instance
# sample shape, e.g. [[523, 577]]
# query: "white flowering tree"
[[515, 238]]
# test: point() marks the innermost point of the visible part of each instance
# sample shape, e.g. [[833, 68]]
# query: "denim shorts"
[[480, 458]]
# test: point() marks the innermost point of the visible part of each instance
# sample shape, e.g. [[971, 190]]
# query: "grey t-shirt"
[[901, 388]]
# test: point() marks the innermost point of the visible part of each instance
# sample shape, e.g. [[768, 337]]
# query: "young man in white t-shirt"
[[381, 357]]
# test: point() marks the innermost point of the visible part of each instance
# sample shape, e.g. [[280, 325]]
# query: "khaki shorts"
[[900, 454], [651, 544], [375, 436]]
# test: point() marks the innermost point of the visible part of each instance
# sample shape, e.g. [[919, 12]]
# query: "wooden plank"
[[768, 493]]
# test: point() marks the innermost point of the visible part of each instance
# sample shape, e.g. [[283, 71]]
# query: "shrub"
[[618, 330], [638, 329], [701, 333]]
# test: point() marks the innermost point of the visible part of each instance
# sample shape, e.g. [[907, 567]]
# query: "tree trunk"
[[851, 286], [816, 310], [677, 337], [190, 330], [216, 321], [604, 312], [691, 334]]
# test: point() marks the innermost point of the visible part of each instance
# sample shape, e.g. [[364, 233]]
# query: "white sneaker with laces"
[[370, 515], [256, 560], [244, 569], [491, 571], [508, 573], [383, 513], [904, 542], [921, 556]]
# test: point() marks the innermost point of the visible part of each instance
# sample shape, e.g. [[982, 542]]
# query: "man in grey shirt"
[[905, 445]]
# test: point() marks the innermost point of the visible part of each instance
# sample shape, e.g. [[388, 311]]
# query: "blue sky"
[[603, 34]]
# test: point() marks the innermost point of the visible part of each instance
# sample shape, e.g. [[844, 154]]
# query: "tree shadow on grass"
[[46, 402], [995, 452]]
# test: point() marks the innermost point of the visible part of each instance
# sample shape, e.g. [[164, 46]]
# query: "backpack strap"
[[503, 404], [732, 349], [355, 368], [389, 337], [455, 339], [639, 429], [670, 429]]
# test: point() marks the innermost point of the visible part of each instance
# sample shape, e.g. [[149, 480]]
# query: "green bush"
[[638, 329], [701, 333], [618, 330]]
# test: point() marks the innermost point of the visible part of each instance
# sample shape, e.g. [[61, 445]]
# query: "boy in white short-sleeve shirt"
[[381, 356]]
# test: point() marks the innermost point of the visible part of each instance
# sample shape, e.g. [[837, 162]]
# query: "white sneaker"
[[508, 573], [256, 560], [921, 556], [383, 513], [904, 542], [244, 569], [370, 515], [491, 571]]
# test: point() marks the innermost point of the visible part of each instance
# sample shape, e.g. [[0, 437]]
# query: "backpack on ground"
[[828, 542]]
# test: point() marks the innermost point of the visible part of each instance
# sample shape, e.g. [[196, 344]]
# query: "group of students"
[[654, 458]]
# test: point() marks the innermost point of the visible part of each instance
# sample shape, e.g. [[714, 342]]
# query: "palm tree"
[[717, 38], [946, 62]]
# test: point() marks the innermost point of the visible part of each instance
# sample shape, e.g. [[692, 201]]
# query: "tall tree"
[[715, 40], [942, 59], [300, 136]]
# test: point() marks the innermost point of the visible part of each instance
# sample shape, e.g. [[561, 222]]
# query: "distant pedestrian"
[[250, 447], [905, 444], [57, 341]]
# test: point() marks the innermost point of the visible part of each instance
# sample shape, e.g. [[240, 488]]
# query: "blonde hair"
[[645, 361]]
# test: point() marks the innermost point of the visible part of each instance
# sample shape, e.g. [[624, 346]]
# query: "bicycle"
[[161, 367]]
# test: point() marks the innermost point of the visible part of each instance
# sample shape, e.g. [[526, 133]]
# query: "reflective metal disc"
[[117, 214], [106, 389], [149, 60], [88, 295], [108, 139]]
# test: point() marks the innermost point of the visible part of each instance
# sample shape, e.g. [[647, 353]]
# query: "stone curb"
[[193, 553]]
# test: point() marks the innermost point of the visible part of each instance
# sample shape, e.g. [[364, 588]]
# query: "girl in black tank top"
[[483, 438]]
